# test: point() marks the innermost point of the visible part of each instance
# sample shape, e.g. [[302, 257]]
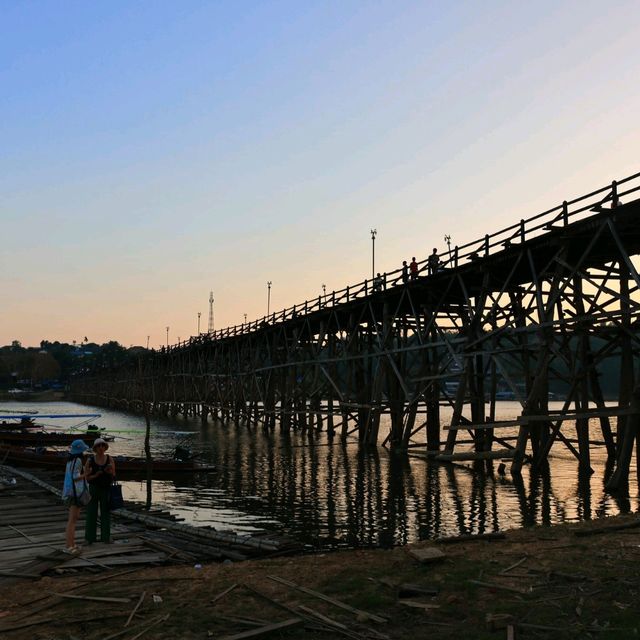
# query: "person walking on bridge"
[[413, 269], [405, 272], [434, 262]]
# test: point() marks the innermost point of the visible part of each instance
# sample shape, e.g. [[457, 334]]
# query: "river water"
[[331, 496]]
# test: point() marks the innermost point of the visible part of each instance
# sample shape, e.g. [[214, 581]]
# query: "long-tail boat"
[[22, 430], [125, 465]]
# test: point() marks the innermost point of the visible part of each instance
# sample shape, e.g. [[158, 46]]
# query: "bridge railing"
[[570, 211]]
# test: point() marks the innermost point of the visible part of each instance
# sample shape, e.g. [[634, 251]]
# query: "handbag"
[[115, 496], [85, 496]]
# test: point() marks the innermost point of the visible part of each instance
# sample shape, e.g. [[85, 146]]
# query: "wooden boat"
[[125, 465], [23, 431], [24, 422], [48, 438]]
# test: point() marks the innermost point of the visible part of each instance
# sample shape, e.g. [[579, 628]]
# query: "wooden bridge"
[[551, 303]]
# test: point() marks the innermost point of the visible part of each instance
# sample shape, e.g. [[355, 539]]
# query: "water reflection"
[[329, 495]]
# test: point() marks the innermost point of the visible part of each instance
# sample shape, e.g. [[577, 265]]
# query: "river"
[[331, 496]]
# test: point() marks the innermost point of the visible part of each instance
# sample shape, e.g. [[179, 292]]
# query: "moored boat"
[[46, 438], [21, 430], [23, 422], [125, 465]]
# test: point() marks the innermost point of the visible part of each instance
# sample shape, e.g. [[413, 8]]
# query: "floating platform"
[[33, 519]]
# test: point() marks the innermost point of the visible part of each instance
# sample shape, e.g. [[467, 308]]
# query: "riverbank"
[[566, 581], [33, 396]]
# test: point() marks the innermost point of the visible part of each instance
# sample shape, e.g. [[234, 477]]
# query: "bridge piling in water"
[[548, 305]]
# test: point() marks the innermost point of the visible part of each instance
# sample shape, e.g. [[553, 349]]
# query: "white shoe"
[[72, 551]]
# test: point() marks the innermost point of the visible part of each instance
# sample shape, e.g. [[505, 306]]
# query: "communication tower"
[[211, 312]]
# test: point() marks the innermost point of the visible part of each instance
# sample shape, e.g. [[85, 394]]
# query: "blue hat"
[[78, 446]]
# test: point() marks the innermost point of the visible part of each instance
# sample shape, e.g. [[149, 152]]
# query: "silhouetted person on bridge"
[[377, 282], [433, 262], [413, 268], [405, 272]]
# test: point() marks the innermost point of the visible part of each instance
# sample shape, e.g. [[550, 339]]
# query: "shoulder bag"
[[85, 496], [115, 496]]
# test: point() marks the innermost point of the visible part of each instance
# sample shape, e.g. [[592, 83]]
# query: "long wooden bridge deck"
[[549, 304]]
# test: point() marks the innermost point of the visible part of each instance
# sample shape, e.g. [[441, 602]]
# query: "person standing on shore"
[[100, 472], [74, 492]]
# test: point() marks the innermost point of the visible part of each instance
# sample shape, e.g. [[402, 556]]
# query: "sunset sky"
[[153, 151]]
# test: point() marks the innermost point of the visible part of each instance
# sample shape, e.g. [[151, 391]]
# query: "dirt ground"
[[534, 583]]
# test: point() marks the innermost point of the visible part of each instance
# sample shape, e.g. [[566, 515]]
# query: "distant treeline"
[[56, 362]]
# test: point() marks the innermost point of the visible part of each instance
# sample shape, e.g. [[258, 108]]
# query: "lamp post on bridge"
[[268, 297], [374, 233], [447, 239], [245, 318], [199, 313], [324, 293], [167, 337], [148, 342]]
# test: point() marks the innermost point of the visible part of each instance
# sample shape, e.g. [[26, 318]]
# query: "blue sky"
[[154, 151]]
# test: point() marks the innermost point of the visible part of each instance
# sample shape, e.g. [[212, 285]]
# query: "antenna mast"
[[211, 312]]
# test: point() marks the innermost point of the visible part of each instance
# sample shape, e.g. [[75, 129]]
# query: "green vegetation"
[[52, 364]]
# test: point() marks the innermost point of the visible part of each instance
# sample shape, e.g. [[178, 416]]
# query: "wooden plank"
[[17, 574], [499, 587], [333, 601], [133, 613], [266, 630], [326, 619], [45, 563], [144, 558], [92, 598], [514, 565], [224, 593]]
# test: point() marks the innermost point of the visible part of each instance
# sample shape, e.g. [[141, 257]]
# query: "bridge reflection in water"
[[331, 496]]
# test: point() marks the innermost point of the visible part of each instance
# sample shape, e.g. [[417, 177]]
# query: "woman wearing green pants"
[[99, 471]]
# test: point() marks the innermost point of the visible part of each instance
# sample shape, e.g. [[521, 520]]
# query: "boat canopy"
[[39, 416]]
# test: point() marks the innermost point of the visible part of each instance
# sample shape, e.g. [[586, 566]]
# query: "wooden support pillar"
[[619, 480], [582, 371], [433, 394], [626, 353]]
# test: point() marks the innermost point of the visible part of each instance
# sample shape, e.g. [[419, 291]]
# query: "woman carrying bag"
[[75, 493], [100, 472]]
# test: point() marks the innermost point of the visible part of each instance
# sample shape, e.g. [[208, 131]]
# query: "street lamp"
[[324, 292], [148, 342], [167, 337], [374, 233], [268, 297], [245, 318], [199, 314], [447, 239]]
